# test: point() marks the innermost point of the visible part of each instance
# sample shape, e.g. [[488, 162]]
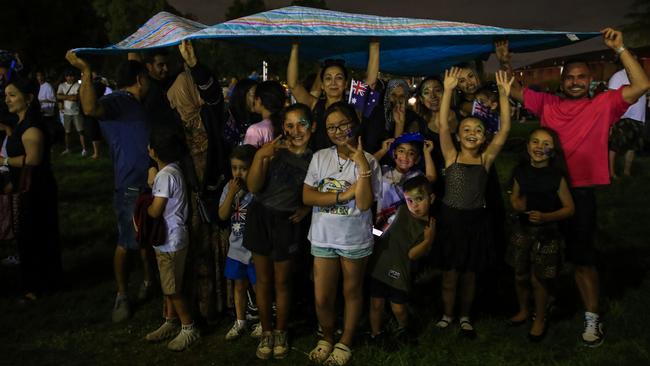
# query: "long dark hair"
[[273, 96], [557, 159], [26, 87], [348, 111], [420, 108], [238, 107]]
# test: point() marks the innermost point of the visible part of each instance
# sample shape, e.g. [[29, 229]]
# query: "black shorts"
[[381, 290], [580, 230], [270, 233]]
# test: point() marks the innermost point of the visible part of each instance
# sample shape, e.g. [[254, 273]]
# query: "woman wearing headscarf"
[[197, 100]]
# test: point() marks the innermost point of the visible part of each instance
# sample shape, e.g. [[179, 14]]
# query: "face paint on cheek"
[[550, 152]]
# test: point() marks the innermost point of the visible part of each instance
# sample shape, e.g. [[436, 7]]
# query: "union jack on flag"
[[358, 94]]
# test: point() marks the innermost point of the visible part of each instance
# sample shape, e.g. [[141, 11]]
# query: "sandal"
[[321, 352], [444, 322], [339, 356], [466, 329]]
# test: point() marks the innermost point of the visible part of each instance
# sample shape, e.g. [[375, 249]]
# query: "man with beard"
[[583, 124]]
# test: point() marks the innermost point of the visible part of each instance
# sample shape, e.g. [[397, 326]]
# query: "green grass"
[[72, 327]]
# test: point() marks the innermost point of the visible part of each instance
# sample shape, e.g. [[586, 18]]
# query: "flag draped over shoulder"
[[408, 46]]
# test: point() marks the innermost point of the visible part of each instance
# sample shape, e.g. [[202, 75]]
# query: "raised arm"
[[504, 83], [372, 71], [429, 165], [446, 143], [639, 83], [502, 52], [205, 81], [89, 103], [363, 191], [297, 90], [385, 146]]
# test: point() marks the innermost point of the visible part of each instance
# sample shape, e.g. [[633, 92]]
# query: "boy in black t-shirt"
[[408, 238]]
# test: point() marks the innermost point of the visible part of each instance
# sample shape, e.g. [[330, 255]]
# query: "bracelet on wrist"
[[620, 50]]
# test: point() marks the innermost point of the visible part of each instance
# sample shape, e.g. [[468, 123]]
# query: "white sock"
[[188, 327], [591, 315]]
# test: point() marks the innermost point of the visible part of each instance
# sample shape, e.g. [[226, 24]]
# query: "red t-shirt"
[[583, 127]]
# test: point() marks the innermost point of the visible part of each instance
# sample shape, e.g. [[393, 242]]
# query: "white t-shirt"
[[340, 226], [47, 99], [69, 107], [169, 184], [236, 249], [636, 110]]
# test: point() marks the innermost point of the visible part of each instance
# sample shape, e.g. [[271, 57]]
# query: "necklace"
[[341, 165]]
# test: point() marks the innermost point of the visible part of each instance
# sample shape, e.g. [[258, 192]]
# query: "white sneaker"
[[167, 330], [280, 344], [256, 331], [84, 153], [65, 152], [184, 339], [236, 331], [593, 335]]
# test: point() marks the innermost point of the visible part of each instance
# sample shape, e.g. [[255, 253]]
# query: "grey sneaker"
[[184, 339], [121, 309], [265, 348], [280, 344], [12, 260], [593, 335], [145, 291], [236, 331], [167, 330]]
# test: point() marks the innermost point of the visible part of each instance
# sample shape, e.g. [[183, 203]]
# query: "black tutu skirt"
[[465, 240]]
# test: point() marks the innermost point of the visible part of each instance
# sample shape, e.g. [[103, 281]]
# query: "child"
[[233, 205], [273, 224], [408, 238], [270, 97], [341, 184], [406, 151], [465, 240], [170, 202], [541, 196]]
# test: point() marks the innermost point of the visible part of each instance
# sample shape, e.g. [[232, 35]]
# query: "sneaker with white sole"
[[121, 309], [341, 355], [84, 153], [167, 330], [280, 344], [593, 335], [184, 339], [236, 331], [256, 331], [265, 347]]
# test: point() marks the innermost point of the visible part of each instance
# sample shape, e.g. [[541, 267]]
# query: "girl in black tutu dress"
[[465, 241]]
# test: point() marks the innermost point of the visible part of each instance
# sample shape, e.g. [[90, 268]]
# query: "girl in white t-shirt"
[[342, 183]]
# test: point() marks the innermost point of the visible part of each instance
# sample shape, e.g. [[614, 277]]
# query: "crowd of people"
[[260, 198]]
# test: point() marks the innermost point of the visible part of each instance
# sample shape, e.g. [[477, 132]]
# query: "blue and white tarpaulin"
[[408, 46]]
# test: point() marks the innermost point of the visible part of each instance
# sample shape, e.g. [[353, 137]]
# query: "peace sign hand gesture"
[[268, 150], [358, 156]]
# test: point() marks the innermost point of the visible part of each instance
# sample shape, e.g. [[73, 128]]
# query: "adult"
[[123, 122], [428, 96], [68, 93], [47, 100], [334, 81], [155, 101], [197, 102], [627, 134], [240, 113], [390, 118], [583, 124], [28, 155]]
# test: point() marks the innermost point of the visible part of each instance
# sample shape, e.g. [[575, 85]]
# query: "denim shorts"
[[124, 204], [236, 270], [321, 252]]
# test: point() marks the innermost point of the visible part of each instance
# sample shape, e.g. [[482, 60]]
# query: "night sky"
[[568, 15]]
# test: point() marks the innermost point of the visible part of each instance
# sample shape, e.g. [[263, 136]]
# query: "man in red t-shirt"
[[583, 126]]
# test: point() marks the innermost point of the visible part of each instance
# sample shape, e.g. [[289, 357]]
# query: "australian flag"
[[362, 98], [489, 117]]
